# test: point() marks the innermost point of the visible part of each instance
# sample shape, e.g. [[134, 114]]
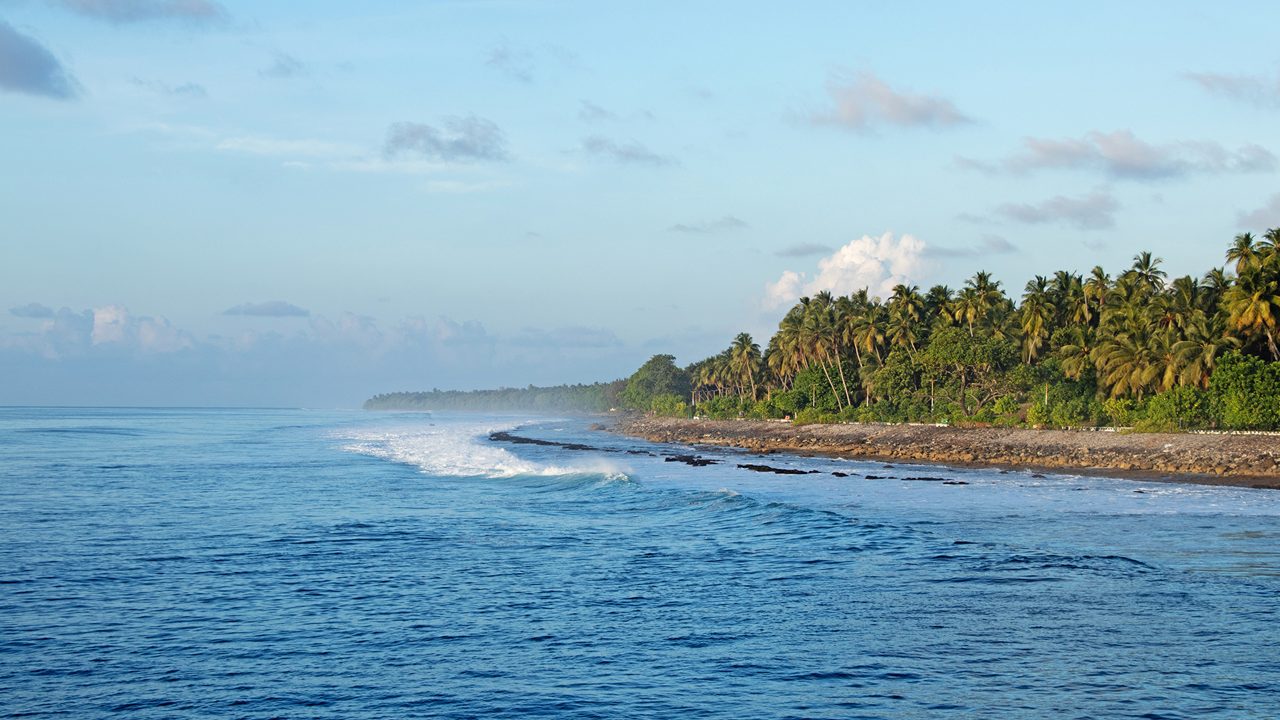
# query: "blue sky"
[[306, 203]]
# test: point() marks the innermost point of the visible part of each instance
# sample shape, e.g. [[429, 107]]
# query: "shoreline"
[[1249, 461]]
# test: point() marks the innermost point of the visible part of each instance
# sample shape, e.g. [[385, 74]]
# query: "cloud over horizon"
[[875, 263], [461, 139], [28, 67], [1122, 155], [862, 101], [31, 310]]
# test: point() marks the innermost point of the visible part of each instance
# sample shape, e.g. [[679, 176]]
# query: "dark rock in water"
[[691, 460], [886, 465], [503, 436], [877, 477], [837, 473], [775, 470], [925, 478], [954, 482], [640, 452], [1036, 475]]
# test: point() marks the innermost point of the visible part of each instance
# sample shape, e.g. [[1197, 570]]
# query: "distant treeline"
[[596, 397]]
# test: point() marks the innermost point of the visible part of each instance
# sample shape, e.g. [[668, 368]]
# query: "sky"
[[306, 203]]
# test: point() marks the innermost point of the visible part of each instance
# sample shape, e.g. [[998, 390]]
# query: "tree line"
[[1136, 348]]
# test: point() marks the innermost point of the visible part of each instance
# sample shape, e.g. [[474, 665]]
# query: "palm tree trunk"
[[845, 385], [834, 392]]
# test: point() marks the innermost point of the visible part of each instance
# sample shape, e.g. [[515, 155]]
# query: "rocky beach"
[[1246, 460]]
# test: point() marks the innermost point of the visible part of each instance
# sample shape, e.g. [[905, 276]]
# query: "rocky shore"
[[1219, 459]]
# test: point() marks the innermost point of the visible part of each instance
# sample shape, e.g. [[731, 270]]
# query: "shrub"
[[1176, 409], [670, 405]]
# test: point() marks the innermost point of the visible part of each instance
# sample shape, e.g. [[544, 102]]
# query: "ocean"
[[161, 563]]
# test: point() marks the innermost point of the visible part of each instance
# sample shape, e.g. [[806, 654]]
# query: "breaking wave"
[[461, 450]]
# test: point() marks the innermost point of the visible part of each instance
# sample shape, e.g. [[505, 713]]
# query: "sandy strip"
[[1238, 460]]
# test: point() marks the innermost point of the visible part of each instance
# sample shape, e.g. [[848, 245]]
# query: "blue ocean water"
[[280, 563]]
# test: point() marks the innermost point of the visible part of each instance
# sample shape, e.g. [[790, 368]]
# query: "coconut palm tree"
[[1253, 304], [744, 361], [1036, 313]]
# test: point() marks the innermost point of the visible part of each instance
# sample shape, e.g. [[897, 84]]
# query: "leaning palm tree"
[[744, 360]]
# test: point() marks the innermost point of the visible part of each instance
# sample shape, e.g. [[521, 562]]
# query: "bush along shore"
[[1137, 350], [1247, 460]]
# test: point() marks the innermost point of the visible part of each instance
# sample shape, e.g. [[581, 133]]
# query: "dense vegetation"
[[1136, 349], [597, 397]]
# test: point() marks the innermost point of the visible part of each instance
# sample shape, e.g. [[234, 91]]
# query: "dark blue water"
[[179, 563]]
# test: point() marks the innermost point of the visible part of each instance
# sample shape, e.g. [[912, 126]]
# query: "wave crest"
[[450, 450]]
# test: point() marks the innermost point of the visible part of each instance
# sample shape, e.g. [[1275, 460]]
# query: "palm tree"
[[1242, 252], [966, 307], [1146, 270], [1254, 307], [744, 360], [1206, 338], [1097, 287], [1036, 313]]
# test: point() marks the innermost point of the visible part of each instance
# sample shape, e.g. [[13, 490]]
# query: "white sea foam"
[[461, 450]]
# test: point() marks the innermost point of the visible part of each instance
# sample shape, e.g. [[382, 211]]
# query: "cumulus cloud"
[[130, 11], [1265, 217], [469, 138], [325, 360], [108, 329], [626, 153], [31, 310], [1095, 211], [804, 249], [1254, 90], [986, 245], [27, 67], [282, 67], [1122, 155], [271, 308], [862, 101], [703, 227], [875, 263]]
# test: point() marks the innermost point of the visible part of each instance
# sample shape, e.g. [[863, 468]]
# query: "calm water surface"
[[223, 563]]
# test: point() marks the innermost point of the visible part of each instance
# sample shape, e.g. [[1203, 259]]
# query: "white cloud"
[[875, 263]]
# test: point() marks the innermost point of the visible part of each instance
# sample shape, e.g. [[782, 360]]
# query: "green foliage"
[[1245, 393], [1176, 409], [669, 405], [1124, 412], [814, 391], [598, 397], [658, 376]]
